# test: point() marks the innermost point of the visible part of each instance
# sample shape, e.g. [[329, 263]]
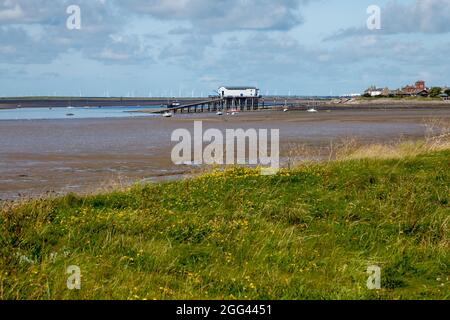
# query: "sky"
[[150, 48]]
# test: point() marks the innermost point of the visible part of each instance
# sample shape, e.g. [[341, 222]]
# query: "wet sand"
[[89, 155]]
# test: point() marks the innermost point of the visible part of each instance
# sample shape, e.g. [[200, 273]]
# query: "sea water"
[[72, 113]]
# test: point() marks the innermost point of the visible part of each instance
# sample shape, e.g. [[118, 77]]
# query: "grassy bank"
[[307, 233], [401, 100]]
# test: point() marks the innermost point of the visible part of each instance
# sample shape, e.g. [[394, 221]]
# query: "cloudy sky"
[[173, 47]]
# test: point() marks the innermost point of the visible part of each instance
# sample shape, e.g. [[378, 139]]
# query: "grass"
[[436, 138], [306, 233], [400, 98]]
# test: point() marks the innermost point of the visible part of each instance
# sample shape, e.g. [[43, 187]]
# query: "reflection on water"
[[71, 113]]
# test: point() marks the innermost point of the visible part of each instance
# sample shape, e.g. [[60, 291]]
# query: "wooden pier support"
[[231, 104]]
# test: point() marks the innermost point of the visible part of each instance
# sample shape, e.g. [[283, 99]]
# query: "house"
[[422, 93], [236, 99], [418, 90], [444, 97], [420, 85], [388, 92], [396, 93], [238, 92], [408, 91], [373, 91]]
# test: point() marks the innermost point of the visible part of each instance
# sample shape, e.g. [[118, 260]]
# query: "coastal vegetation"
[[400, 98], [435, 92], [309, 232]]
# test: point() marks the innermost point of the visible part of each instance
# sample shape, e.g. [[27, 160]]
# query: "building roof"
[[374, 89], [240, 88]]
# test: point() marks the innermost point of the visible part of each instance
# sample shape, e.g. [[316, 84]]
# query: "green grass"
[[400, 98], [308, 233]]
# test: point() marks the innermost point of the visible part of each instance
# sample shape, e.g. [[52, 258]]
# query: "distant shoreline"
[[64, 102], [398, 101], [325, 103]]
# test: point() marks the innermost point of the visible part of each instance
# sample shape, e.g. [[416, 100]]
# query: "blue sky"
[[173, 47]]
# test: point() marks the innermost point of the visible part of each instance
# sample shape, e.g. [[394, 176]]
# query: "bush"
[[435, 92]]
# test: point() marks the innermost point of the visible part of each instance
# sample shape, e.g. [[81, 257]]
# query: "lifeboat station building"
[[239, 98]]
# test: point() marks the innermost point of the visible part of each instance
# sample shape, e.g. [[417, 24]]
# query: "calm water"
[[71, 113]]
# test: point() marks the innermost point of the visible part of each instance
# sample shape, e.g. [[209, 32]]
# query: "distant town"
[[419, 89]]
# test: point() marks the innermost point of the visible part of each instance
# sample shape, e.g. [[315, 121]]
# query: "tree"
[[435, 92], [447, 92]]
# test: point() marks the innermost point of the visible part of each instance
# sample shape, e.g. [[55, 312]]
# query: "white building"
[[374, 91], [238, 92]]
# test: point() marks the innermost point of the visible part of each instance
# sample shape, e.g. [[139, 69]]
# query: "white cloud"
[[216, 16], [39, 33], [212, 42], [11, 13], [421, 16]]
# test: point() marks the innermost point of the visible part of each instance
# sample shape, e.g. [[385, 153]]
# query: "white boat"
[[220, 113], [285, 110], [312, 110], [174, 104], [70, 107], [167, 114]]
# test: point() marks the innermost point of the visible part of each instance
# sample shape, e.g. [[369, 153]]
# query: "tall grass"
[[306, 233], [436, 138]]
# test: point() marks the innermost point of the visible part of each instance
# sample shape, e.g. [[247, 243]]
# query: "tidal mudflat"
[[87, 155]]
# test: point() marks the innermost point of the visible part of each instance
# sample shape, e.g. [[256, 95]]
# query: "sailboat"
[[312, 109], [286, 109], [70, 104]]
